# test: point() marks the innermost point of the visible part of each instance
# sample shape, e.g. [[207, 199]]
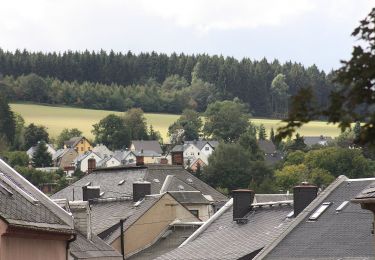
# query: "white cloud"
[[206, 15]]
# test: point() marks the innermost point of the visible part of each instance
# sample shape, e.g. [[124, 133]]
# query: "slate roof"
[[121, 155], [189, 197], [343, 235], [225, 239], [150, 145], [108, 179], [189, 180], [178, 148], [171, 239], [83, 156], [108, 228], [102, 151], [82, 248], [72, 142], [201, 143], [266, 146], [23, 205], [147, 153], [102, 163]]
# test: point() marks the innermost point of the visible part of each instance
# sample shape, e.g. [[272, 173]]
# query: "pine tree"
[[262, 135], [41, 157], [272, 135], [357, 130]]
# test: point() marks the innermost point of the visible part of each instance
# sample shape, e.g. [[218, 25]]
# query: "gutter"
[[208, 222], [68, 245]]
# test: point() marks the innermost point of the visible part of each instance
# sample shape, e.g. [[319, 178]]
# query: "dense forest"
[[157, 82]]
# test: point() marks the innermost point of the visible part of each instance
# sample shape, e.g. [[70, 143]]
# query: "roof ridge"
[[301, 216]]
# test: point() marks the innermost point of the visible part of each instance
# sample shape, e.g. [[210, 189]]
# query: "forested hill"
[[249, 80]]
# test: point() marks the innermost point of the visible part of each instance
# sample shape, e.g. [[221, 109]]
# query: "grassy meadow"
[[58, 118]]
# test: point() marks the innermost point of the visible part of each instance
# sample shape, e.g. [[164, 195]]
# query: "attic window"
[[180, 187], [189, 180], [342, 206], [320, 211], [3, 188], [121, 182], [156, 180]]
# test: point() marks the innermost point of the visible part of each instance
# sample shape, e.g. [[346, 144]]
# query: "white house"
[[81, 162], [102, 151], [32, 150], [109, 162], [125, 157], [194, 150]]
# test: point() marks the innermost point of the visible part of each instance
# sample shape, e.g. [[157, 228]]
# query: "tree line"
[[117, 75]]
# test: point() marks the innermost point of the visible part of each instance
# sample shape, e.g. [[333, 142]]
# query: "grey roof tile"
[[225, 239], [149, 145], [82, 248], [344, 235], [24, 205]]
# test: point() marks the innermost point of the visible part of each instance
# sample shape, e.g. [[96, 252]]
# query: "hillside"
[[58, 118]]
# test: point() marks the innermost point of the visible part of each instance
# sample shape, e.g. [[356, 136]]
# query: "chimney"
[[242, 200], [140, 160], [91, 165], [90, 192], [178, 158], [140, 190], [82, 217], [303, 195]]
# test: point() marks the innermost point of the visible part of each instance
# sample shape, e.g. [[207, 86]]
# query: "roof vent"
[[180, 187], [189, 180], [156, 180], [102, 193]]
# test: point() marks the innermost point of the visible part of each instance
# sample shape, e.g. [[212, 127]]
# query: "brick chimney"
[[242, 200], [140, 190], [140, 160], [90, 192], [91, 165], [303, 195], [82, 217]]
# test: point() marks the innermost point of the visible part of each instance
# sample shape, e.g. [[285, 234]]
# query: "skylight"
[[342, 206], [101, 194], [121, 182], [320, 211], [291, 214]]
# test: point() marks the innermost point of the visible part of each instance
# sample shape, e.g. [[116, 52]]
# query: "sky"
[[306, 31]]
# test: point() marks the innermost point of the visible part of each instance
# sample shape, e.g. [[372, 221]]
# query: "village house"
[[126, 157], [50, 149], [80, 144], [317, 140], [64, 158], [108, 162], [102, 151], [271, 155], [148, 145], [82, 161], [132, 223], [31, 226]]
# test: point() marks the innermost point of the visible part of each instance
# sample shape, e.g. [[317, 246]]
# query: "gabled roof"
[[162, 171], [201, 143], [222, 238], [122, 155], [105, 160], [23, 205], [72, 142], [32, 150], [108, 228], [334, 235], [102, 151], [108, 179], [85, 155], [82, 248], [266, 146], [149, 145]]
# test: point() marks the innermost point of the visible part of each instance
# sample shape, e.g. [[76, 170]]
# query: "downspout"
[[67, 245]]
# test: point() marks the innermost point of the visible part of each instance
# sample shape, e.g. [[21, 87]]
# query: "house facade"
[[81, 161], [80, 144]]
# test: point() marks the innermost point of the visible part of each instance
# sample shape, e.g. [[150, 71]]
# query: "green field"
[[58, 118]]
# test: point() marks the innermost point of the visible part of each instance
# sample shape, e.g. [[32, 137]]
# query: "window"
[[82, 149], [342, 206], [195, 212], [207, 148], [320, 211]]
